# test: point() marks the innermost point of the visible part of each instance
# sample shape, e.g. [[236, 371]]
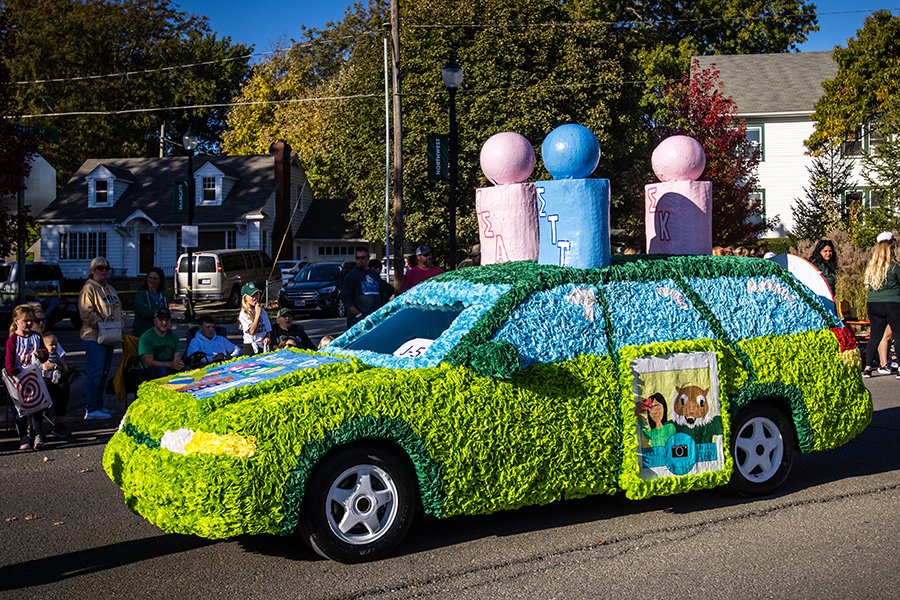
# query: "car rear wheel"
[[763, 449], [234, 299], [359, 504]]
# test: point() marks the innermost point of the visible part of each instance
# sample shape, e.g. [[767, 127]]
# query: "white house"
[[124, 209], [776, 95]]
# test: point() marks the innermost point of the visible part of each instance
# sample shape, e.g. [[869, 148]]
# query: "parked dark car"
[[44, 283], [316, 289]]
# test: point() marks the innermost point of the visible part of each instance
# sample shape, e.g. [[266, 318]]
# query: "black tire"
[[370, 491], [762, 446], [234, 298], [76, 321]]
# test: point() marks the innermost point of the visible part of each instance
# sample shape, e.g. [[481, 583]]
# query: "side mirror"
[[496, 360]]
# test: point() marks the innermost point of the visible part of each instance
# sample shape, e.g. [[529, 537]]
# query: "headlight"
[[328, 290]]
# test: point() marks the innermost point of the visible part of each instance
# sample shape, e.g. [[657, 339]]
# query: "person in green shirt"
[[158, 348], [883, 302], [149, 297], [658, 429], [824, 259]]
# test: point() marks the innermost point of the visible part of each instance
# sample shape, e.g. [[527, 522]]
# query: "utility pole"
[[398, 148]]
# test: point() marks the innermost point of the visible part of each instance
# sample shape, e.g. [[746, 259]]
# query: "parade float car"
[[496, 387]]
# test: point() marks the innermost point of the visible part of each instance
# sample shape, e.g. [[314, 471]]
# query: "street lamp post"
[[190, 144], [452, 74]]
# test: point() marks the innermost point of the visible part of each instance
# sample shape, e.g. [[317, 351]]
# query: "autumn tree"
[[132, 45], [698, 108], [16, 146], [820, 211]]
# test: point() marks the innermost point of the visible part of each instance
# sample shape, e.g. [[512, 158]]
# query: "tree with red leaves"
[[16, 147], [697, 107]]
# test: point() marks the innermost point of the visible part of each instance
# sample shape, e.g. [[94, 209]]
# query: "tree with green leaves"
[[104, 56], [866, 88], [881, 171], [529, 66], [819, 211], [16, 146], [696, 107]]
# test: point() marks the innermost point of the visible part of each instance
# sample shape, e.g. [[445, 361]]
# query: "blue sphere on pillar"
[[571, 152]]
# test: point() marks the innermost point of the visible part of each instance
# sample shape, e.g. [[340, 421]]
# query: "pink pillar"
[[507, 223], [678, 217]]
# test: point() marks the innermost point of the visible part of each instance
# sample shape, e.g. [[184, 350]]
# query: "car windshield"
[[409, 331], [318, 273]]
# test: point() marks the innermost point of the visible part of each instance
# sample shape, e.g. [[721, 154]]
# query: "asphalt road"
[[830, 532]]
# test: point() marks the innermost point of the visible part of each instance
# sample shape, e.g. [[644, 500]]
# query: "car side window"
[[233, 262], [756, 306], [556, 325], [646, 312]]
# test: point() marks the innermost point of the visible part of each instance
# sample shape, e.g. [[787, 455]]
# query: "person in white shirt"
[[254, 321], [215, 347]]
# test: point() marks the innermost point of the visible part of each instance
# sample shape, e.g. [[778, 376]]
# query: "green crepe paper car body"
[[496, 387]]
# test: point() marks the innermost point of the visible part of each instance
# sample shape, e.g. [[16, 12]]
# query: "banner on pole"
[[438, 156]]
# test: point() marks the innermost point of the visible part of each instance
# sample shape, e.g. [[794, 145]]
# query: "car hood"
[[309, 285], [231, 394]]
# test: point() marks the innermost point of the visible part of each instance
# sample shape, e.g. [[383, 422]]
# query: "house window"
[[82, 246], [756, 137], [101, 191], [876, 198], [758, 197], [852, 201], [209, 190], [863, 140], [231, 239]]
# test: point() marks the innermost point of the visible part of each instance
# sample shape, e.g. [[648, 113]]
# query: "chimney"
[[280, 229]]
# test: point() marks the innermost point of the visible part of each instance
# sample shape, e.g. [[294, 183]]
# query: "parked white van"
[[219, 275]]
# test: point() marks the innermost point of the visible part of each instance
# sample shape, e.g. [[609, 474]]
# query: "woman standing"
[[149, 298], [825, 260], [883, 303], [254, 321], [97, 302]]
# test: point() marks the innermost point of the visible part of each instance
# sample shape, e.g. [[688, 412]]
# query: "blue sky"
[[261, 24]]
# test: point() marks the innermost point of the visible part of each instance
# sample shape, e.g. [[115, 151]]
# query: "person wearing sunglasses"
[[97, 302], [423, 270], [363, 291]]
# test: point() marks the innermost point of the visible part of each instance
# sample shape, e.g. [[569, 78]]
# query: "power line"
[[90, 113], [347, 97], [631, 22]]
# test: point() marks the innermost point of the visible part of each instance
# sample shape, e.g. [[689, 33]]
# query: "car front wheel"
[[763, 449], [359, 505]]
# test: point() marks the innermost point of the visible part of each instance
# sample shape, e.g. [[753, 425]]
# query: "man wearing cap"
[[423, 270], [474, 258], [213, 346], [158, 347], [363, 291], [287, 333]]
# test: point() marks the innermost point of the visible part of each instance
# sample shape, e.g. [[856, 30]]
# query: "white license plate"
[[205, 281]]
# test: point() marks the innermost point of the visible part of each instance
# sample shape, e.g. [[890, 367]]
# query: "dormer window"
[[101, 191], [106, 185], [209, 190], [212, 185]]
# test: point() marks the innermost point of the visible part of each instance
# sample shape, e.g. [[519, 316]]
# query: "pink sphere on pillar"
[[506, 158], [678, 158]]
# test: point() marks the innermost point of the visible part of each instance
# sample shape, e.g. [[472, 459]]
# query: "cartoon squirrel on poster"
[[692, 415]]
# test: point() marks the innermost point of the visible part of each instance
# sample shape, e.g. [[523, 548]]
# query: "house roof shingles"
[[151, 191], [325, 221], [773, 83]]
